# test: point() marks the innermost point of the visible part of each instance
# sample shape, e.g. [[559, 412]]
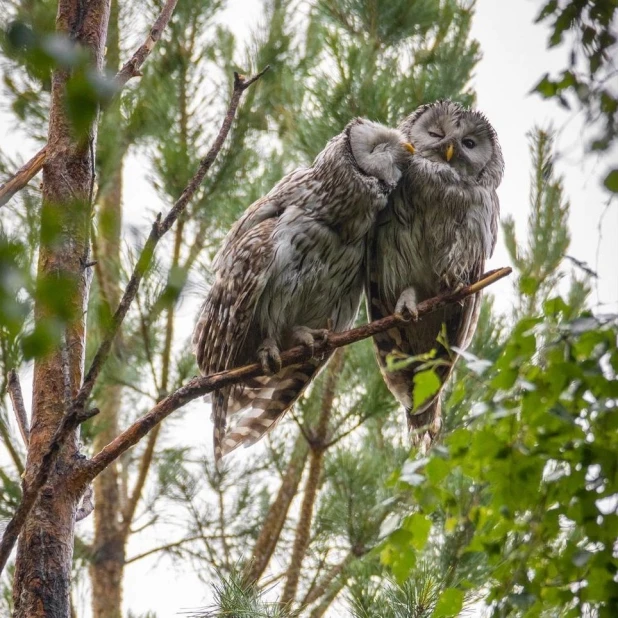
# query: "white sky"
[[514, 58]]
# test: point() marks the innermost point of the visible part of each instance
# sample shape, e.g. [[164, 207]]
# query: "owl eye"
[[468, 143], [436, 135]]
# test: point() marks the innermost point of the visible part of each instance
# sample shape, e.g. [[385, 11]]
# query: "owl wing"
[[224, 337], [242, 271]]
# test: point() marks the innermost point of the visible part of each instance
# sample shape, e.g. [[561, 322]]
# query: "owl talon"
[[406, 305], [269, 357], [305, 336]]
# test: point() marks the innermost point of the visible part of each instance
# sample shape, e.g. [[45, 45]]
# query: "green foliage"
[[590, 31], [548, 237], [521, 496], [234, 599]]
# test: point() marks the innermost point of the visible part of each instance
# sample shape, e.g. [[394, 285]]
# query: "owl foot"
[[303, 335], [269, 357], [406, 305]]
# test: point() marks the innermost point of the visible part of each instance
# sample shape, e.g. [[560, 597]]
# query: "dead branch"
[[22, 176], [17, 399], [77, 412], [204, 385], [133, 66], [130, 69]]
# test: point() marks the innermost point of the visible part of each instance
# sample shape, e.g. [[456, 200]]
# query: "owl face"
[[463, 140]]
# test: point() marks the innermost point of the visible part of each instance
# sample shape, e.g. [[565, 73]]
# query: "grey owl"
[[291, 267], [435, 235]]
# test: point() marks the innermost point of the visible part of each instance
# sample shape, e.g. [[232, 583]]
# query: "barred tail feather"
[[263, 402], [219, 417]]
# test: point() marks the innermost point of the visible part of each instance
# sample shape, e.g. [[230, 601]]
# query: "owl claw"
[[303, 335], [269, 357], [406, 305]]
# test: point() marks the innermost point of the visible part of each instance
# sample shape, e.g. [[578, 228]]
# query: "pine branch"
[[158, 230], [77, 412], [324, 584], [131, 69], [201, 386]]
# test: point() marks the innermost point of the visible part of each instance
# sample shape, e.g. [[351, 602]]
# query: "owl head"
[[379, 151], [462, 139]]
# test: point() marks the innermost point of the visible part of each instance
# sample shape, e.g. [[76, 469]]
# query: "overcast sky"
[[514, 58]]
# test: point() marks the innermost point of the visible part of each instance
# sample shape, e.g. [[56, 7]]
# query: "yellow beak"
[[409, 147], [449, 152]]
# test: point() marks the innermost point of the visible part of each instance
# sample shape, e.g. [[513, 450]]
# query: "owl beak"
[[409, 147], [449, 152]]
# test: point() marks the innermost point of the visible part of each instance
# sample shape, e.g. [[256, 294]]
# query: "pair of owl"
[[372, 214]]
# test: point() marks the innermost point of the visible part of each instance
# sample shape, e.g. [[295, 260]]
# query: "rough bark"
[[108, 548], [41, 585]]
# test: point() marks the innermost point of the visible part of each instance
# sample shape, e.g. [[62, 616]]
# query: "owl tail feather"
[[425, 426], [219, 417], [263, 402]]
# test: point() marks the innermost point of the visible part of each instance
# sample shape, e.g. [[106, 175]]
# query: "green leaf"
[[611, 181], [426, 385], [419, 527], [449, 604]]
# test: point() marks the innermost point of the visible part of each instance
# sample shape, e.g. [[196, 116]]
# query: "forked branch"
[[130, 69], [201, 386]]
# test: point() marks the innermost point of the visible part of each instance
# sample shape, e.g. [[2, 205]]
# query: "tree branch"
[[133, 66], [17, 399], [201, 386], [131, 69], [77, 412], [22, 176]]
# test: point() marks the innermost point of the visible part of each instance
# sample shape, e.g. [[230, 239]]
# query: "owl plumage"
[[291, 267], [437, 231]]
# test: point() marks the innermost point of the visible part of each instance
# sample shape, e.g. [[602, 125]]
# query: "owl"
[[434, 236], [289, 269]]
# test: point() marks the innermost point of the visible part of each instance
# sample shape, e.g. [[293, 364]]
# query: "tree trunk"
[[277, 512], [41, 584], [316, 462], [108, 547]]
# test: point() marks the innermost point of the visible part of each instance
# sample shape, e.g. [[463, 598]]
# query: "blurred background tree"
[[332, 513]]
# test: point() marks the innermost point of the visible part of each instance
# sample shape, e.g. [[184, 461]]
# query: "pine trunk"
[[41, 585]]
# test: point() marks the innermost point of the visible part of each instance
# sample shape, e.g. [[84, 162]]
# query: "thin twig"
[[17, 399], [77, 412], [131, 69], [204, 385]]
